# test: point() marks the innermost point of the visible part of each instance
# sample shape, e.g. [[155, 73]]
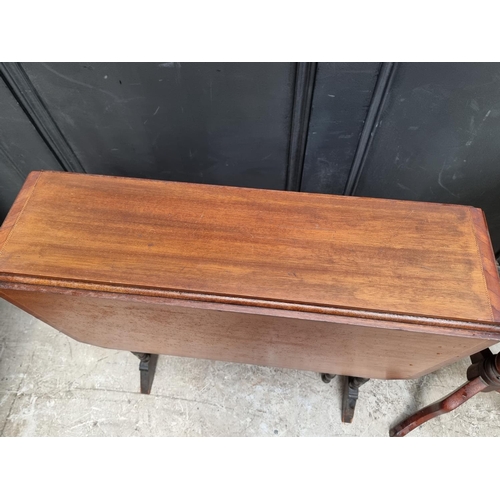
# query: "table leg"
[[350, 397], [327, 377], [483, 375], [147, 368], [445, 405]]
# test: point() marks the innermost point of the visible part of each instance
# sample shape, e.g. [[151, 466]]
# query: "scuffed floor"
[[51, 385]]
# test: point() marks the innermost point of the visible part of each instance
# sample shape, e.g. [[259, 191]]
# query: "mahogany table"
[[360, 287]]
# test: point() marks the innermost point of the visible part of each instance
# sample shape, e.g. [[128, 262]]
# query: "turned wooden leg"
[[350, 397], [483, 375], [147, 368]]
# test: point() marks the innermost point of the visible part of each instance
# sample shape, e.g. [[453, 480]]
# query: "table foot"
[[327, 377], [147, 368], [483, 375], [445, 405], [350, 397]]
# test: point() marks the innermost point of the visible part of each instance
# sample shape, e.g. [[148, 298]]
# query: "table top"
[[237, 245]]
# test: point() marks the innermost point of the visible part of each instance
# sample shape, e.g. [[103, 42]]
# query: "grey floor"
[[51, 385]]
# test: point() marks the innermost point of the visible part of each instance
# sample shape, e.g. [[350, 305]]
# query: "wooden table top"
[[231, 245]]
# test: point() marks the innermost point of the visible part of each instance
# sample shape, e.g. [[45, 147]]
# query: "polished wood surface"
[[147, 326], [445, 405], [421, 259], [354, 286]]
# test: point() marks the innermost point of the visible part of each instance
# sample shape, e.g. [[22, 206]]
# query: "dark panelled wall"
[[214, 123], [420, 131], [342, 96], [438, 139], [21, 149]]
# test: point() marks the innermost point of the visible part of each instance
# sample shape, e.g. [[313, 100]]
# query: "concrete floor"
[[51, 385]]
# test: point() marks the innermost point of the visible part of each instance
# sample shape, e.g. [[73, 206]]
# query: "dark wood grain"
[[389, 256]]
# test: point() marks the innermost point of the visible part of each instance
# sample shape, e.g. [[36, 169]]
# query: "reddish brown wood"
[[163, 328], [357, 286], [485, 249], [387, 256], [266, 307], [445, 405]]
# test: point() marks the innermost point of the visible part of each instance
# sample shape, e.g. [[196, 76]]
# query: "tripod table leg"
[[445, 405]]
